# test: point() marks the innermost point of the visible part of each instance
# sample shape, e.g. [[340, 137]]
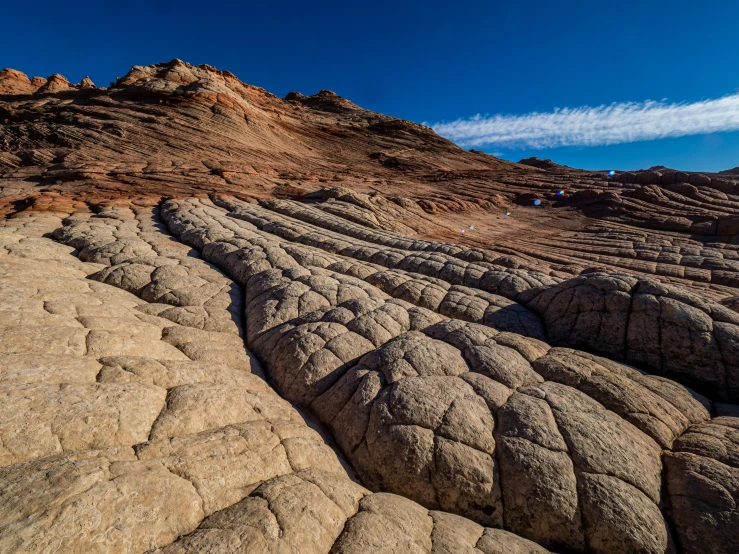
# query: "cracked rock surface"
[[554, 444], [123, 431]]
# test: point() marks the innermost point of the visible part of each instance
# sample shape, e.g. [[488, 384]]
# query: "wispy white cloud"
[[594, 126]]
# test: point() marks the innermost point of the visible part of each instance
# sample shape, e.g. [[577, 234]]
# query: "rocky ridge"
[[235, 323]]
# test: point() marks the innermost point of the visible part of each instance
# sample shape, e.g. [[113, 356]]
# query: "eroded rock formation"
[[235, 323]]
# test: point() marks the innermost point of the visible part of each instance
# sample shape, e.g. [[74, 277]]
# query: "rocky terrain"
[[234, 323]]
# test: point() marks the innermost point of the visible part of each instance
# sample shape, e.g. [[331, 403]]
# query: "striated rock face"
[[15, 82], [55, 83], [235, 323]]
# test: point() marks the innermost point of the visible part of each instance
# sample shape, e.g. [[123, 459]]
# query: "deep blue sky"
[[419, 60]]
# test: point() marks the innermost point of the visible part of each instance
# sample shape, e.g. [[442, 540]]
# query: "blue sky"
[[431, 61]]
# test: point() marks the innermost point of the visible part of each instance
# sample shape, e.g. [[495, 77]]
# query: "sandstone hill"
[[234, 323]]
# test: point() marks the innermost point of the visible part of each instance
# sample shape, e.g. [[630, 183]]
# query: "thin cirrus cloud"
[[595, 126]]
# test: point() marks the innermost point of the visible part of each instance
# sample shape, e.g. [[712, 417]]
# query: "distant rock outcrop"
[[55, 83], [536, 162], [16, 82]]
